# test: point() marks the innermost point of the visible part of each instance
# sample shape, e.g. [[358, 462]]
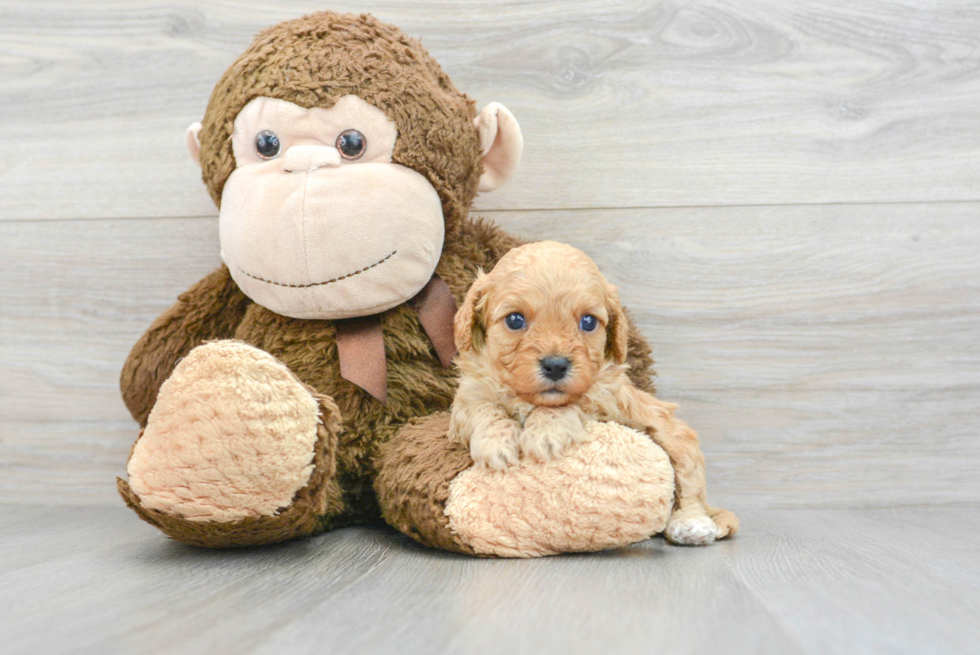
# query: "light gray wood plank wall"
[[630, 103], [787, 194], [827, 354]]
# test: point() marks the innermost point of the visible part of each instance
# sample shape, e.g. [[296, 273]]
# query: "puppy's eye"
[[515, 321], [267, 144], [351, 144], [588, 323]]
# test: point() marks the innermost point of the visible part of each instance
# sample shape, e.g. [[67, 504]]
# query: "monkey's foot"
[[236, 452], [611, 490]]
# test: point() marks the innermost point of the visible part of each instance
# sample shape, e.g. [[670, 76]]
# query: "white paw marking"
[[696, 531]]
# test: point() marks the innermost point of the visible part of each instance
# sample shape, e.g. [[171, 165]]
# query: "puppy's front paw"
[[691, 529], [547, 432], [496, 448]]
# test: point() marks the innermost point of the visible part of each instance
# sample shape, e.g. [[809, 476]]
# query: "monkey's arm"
[[211, 309]]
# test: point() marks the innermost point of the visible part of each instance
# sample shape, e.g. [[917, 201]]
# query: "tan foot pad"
[[615, 489], [231, 437]]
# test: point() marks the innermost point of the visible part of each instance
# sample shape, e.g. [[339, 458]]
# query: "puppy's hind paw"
[[698, 530]]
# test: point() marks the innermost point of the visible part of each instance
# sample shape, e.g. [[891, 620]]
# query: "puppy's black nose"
[[555, 368]]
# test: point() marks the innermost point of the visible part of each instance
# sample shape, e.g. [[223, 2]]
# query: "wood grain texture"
[[93, 580], [828, 355], [624, 104]]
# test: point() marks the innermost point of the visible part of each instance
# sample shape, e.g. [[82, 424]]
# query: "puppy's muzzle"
[[555, 368]]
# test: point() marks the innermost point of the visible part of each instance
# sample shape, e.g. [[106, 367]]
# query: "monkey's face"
[[342, 157], [316, 220]]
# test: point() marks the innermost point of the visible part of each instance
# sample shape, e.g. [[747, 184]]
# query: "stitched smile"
[[320, 284]]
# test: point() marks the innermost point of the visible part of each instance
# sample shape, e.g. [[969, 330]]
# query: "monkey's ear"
[[618, 329], [502, 144], [468, 324], [194, 142]]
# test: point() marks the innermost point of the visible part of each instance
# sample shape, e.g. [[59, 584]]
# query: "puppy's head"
[[544, 321]]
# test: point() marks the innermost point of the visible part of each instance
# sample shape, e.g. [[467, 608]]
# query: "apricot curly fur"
[[507, 410]]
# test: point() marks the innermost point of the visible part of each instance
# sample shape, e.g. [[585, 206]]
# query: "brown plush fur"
[[416, 469], [320, 498], [211, 309], [312, 62]]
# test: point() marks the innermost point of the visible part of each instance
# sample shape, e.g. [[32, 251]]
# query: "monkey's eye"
[[267, 144], [351, 144], [515, 321], [588, 323]]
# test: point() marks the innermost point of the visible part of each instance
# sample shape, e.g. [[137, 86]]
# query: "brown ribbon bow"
[[361, 345]]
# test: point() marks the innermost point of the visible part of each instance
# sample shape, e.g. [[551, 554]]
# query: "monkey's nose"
[[298, 159], [555, 368]]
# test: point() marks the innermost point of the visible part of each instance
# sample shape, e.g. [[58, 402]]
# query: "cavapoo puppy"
[[542, 345]]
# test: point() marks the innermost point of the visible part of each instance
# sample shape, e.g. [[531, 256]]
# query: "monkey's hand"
[[548, 431]]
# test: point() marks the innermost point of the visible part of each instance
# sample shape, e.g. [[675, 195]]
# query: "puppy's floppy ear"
[[617, 330], [468, 325]]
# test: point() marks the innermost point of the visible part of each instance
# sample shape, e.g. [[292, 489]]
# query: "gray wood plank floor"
[[93, 580]]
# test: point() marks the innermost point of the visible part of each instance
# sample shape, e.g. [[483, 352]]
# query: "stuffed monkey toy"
[[304, 385]]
